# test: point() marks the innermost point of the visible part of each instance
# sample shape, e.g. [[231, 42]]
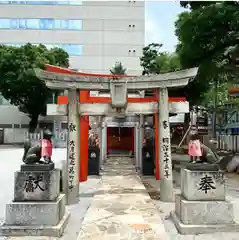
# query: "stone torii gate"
[[118, 106]]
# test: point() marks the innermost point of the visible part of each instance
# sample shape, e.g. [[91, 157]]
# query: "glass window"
[[46, 23], [75, 24], [32, 23], [48, 2], [61, 2], [31, 2], [18, 44], [61, 24], [22, 23], [73, 2], [76, 2], [5, 23], [14, 23], [50, 46], [73, 49]]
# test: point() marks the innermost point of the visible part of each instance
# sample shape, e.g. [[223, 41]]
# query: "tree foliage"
[[155, 61], [18, 82], [118, 69], [208, 37], [148, 59], [207, 32]]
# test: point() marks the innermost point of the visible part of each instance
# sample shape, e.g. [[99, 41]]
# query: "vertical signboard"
[[166, 178], [73, 147]]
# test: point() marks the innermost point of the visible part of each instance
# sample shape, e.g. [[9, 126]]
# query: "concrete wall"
[[14, 135], [10, 115]]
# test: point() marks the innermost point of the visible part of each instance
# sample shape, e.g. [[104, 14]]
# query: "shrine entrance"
[[78, 106], [120, 140]]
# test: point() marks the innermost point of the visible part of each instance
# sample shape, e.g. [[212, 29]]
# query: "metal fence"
[[224, 142], [59, 138], [228, 143]]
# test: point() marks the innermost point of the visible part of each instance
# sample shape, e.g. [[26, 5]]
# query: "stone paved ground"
[[232, 183], [122, 208], [10, 160]]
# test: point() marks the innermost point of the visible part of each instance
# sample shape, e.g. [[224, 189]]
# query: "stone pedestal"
[[46, 185], [38, 208], [202, 206]]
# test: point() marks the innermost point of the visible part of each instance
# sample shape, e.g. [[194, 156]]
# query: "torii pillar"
[[73, 146], [165, 158]]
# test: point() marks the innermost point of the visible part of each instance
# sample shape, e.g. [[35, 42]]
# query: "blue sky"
[[159, 23]]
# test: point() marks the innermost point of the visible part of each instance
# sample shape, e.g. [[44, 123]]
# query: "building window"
[[31, 24], [43, 24], [22, 23], [76, 2], [71, 49], [46, 24], [13, 24], [5, 23], [75, 24], [61, 24]]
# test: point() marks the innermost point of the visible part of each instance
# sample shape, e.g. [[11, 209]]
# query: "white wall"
[[17, 135], [11, 115]]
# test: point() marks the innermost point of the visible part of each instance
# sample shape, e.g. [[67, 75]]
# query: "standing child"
[[194, 148]]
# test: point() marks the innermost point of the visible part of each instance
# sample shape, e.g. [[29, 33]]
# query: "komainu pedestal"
[[202, 207], [38, 208]]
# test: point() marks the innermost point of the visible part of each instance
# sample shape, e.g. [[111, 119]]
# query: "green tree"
[[155, 61], [208, 37], [18, 82], [118, 69], [148, 59], [206, 33]]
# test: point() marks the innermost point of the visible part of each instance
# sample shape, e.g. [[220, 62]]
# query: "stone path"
[[122, 208]]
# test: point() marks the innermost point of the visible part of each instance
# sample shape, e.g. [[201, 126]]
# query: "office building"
[[96, 34]]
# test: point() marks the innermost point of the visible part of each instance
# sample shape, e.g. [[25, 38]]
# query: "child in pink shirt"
[[194, 149]]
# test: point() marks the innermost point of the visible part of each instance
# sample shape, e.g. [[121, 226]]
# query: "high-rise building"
[[96, 35]]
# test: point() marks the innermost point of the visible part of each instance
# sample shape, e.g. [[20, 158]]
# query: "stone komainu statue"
[[34, 154]]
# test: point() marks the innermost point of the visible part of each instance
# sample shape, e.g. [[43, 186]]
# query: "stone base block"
[[203, 185], [36, 230], [35, 213], [203, 212], [37, 167], [188, 229], [202, 167], [37, 186]]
